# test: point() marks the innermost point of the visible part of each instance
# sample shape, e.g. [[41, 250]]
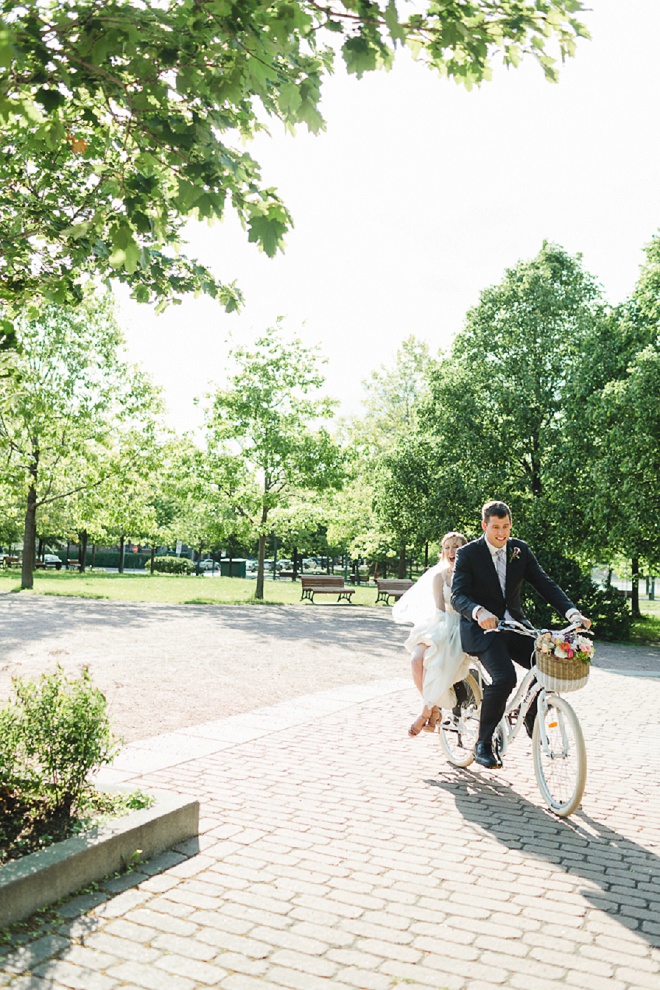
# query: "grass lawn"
[[194, 590], [169, 588], [647, 629]]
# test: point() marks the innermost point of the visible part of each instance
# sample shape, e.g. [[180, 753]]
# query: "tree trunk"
[[41, 548], [231, 561], [82, 557], [151, 559], [401, 573], [122, 543], [93, 560], [261, 554], [426, 555], [636, 614], [29, 536], [295, 563], [274, 557]]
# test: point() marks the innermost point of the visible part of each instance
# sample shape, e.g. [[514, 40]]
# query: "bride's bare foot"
[[419, 724]]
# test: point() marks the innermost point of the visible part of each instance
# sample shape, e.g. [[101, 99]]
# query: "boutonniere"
[[513, 553]]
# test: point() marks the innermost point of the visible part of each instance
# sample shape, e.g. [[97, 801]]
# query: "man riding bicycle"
[[487, 586]]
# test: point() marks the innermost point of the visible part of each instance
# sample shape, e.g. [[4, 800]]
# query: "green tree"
[[267, 427], [393, 395], [369, 522], [206, 517], [120, 118], [499, 408], [72, 402], [619, 391], [626, 474]]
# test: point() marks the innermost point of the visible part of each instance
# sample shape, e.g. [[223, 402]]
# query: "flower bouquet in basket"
[[562, 660]]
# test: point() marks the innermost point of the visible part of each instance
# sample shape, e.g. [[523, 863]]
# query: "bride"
[[434, 642]]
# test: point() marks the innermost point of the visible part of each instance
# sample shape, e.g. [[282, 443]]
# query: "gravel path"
[[167, 667]]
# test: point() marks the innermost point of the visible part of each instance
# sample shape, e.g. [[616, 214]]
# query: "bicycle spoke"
[[560, 761]]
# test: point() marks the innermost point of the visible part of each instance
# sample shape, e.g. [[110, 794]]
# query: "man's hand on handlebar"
[[487, 620], [578, 619]]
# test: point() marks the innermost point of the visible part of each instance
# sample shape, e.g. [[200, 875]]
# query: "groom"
[[488, 580]]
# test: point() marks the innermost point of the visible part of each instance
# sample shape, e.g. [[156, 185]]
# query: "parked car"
[[52, 560], [207, 564]]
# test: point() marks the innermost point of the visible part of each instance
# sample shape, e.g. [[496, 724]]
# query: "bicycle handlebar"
[[512, 625]]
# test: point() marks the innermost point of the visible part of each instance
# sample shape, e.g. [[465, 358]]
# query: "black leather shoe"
[[484, 755]]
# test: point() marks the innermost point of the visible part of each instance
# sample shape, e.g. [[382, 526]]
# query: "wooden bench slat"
[[392, 588], [325, 585]]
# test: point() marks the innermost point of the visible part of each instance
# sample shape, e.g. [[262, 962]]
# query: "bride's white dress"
[[444, 660]]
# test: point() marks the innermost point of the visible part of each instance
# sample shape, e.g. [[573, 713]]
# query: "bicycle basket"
[[561, 675]]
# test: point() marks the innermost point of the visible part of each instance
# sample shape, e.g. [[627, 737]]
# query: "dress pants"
[[501, 647]]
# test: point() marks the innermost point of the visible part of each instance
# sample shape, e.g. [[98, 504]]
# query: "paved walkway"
[[336, 851]]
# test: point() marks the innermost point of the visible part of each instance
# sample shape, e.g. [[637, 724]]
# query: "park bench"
[[325, 584], [391, 588], [10, 561]]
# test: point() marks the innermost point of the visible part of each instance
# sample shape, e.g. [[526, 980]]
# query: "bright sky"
[[417, 197]]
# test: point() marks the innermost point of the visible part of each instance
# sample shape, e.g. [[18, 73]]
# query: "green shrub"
[[606, 607], [172, 565], [9, 745], [61, 733], [610, 613]]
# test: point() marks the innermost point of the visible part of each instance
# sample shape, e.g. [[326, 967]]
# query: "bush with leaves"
[[172, 565], [55, 733], [606, 607]]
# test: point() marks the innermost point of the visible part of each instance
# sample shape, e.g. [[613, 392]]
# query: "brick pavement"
[[336, 851]]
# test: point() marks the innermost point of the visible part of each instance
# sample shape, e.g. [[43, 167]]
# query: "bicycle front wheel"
[[460, 725], [560, 760]]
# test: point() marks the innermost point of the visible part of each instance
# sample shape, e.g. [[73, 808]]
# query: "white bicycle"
[[559, 753]]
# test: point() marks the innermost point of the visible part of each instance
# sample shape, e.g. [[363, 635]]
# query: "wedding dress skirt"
[[444, 660]]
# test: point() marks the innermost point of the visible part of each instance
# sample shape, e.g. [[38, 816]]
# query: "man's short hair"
[[495, 508]]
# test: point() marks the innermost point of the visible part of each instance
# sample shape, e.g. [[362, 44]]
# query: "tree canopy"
[[266, 434], [75, 414], [122, 118]]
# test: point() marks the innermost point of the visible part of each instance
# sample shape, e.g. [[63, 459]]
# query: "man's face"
[[497, 530]]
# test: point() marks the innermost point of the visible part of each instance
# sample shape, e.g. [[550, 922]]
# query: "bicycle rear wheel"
[[561, 768], [460, 725]]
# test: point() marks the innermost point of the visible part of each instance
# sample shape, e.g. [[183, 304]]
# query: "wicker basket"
[[560, 675]]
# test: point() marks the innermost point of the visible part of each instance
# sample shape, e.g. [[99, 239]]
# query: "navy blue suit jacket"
[[476, 583]]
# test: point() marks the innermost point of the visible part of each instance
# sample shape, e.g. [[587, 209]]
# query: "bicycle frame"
[[528, 691], [558, 749]]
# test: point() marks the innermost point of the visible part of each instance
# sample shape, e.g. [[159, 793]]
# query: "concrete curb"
[[43, 877]]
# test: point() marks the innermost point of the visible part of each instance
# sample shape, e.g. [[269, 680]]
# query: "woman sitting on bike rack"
[[434, 642], [487, 585]]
